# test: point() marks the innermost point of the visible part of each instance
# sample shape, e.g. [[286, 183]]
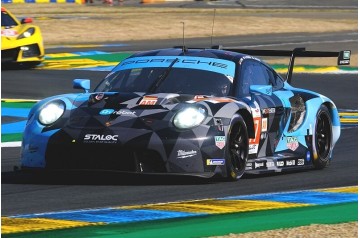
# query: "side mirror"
[[82, 84], [26, 20], [261, 89]]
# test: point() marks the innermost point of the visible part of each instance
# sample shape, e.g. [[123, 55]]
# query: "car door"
[[267, 109]]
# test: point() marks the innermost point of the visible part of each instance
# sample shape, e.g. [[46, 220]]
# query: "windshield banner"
[[209, 64]]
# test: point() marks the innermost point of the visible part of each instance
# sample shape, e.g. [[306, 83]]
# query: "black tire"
[[322, 138], [237, 148]]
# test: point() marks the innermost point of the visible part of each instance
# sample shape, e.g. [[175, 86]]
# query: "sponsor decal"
[[106, 112], [256, 112], [125, 113], [247, 57], [221, 66], [213, 100], [280, 163], [264, 124], [219, 124], [99, 96], [181, 154], [215, 162], [259, 164], [301, 162], [220, 142], [268, 110], [8, 32], [292, 143], [290, 163], [346, 54], [96, 138], [148, 100], [253, 149], [193, 61], [270, 164]]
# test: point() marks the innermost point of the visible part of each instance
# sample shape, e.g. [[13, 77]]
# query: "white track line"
[[11, 144]]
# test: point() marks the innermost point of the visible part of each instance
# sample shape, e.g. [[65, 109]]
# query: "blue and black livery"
[[200, 112]]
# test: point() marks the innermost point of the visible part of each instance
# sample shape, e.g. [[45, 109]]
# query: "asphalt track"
[[25, 193]]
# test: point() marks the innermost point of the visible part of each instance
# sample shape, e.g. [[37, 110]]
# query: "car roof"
[[206, 53]]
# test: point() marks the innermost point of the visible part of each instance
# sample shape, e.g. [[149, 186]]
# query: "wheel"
[[237, 148], [322, 138]]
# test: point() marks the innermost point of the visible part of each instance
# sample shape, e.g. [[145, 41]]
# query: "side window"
[[252, 73], [278, 83], [275, 80]]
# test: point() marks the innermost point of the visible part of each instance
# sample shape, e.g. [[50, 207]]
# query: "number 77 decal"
[[254, 143]]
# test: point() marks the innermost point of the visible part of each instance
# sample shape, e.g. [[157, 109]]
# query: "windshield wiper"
[[162, 77]]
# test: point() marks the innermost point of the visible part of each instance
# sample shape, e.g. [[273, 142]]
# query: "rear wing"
[[343, 56]]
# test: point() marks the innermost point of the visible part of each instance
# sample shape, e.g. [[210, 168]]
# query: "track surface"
[[25, 193]]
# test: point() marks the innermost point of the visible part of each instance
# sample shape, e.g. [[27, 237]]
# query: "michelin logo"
[[215, 162]]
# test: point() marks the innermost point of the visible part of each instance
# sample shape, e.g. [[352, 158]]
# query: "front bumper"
[[26, 53], [134, 151]]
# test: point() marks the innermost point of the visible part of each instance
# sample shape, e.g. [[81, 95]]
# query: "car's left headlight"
[[51, 112], [189, 117], [29, 32]]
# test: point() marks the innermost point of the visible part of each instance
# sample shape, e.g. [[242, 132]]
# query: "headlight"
[[189, 117], [51, 112], [29, 32]]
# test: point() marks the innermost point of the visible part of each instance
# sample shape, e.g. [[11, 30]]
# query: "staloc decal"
[[96, 138]]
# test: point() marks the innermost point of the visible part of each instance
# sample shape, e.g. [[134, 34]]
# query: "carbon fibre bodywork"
[[134, 131]]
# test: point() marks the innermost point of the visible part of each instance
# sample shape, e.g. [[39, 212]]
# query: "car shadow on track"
[[97, 178], [114, 178]]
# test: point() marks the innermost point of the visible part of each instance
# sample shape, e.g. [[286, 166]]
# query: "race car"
[[21, 41], [200, 112]]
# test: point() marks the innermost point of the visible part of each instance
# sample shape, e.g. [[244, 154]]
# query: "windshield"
[[7, 20], [182, 74]]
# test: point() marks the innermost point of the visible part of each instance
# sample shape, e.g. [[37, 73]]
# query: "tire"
[[322, 138], [237, 148]]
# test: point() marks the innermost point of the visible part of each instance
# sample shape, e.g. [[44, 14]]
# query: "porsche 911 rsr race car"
[[21, 42], [200, 112]]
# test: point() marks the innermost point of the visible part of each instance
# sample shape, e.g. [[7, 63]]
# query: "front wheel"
[[322, 138], [237, 148]]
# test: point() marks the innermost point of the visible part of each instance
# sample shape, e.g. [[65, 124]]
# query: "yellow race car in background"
[[21, 41]]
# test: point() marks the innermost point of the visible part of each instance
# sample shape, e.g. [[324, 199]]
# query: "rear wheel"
[[237, 148], [322, 138]]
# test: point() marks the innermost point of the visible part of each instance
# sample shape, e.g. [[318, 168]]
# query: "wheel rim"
[[238, 148], [323, 134]]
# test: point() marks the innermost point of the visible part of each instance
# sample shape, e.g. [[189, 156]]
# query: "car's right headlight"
[[51, 112]]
